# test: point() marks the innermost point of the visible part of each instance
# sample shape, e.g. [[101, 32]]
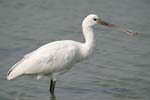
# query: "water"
[[119, 70]]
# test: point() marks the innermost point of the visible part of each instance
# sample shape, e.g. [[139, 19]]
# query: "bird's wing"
[[53, 57], [49, 58]]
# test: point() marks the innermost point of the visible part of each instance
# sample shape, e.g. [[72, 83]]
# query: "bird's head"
[[90, 20], [93, 19]]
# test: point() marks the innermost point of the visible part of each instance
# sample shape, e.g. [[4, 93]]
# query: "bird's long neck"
[[89, 44]]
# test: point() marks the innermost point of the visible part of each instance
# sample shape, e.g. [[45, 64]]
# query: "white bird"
[[57, 57]]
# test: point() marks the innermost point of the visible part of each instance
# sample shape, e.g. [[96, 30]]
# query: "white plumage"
[[52, 58], [58, 57]]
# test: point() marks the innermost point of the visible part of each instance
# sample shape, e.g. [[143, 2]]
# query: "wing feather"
[[52, 57]]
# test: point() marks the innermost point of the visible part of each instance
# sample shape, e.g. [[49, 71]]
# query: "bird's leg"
[[52, 86]]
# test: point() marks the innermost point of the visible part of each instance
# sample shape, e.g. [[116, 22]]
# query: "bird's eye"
[[95, 19]]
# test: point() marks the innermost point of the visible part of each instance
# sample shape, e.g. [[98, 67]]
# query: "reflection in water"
[[53, 98]]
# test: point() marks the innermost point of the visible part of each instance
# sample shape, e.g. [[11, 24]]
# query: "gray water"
[[119, 70]]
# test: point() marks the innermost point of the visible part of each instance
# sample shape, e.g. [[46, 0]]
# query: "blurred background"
[[119, 70]]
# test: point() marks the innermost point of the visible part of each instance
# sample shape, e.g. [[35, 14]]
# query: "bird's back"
[[54, 57]]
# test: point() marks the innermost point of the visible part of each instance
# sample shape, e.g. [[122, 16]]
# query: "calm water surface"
[[119, 70]]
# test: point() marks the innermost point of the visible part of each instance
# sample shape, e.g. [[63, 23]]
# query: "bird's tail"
[[14, 71], [12, 74]]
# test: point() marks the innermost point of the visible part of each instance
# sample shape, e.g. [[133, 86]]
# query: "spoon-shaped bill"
[[128, 31]]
